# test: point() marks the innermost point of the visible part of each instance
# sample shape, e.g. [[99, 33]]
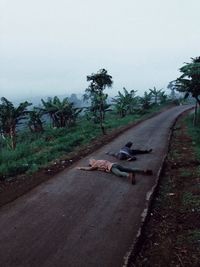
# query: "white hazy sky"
[[48, 47]]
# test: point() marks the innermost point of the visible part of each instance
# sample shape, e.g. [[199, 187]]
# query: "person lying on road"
[[115, 168], [126, 153]]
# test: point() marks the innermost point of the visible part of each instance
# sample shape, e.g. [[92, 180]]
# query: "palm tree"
[[146, 100], [95, 92], [51, 109], [62, 112], [66, 113], [163, 97], [125, 103], [10, 117], [155, 93], [189, 82], [35, 123], [120, 104]]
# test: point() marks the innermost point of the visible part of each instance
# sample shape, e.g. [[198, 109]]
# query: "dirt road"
[[83, 218]]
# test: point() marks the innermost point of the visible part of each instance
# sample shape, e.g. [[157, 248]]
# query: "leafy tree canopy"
[[189, 81], [98, 82]]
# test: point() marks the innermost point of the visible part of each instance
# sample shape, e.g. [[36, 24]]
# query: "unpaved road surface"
[[81, 218]]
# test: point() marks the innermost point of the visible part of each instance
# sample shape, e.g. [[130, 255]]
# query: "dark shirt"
[[125, 153]]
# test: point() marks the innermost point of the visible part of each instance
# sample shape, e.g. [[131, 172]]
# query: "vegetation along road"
[[81, 218]]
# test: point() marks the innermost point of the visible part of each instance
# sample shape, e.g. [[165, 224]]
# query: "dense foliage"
[[189, 82]]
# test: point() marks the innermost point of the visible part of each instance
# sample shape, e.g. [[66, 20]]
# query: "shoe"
[[148, 172], [131, 176], [132, 158]]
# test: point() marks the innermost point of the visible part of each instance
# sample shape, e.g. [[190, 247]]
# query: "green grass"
[[175, 154], [190, 202], [192, 237], [185, 173], [164, 199], [194, 132]]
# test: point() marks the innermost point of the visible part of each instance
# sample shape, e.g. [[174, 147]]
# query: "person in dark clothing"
[[126, 153]]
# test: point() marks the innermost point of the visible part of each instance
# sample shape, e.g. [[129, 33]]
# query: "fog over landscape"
[[48, 47]]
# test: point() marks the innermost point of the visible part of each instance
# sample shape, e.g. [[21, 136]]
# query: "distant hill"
[[77, 99]]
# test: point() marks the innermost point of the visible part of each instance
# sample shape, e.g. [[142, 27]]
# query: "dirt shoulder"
[[172, 234]]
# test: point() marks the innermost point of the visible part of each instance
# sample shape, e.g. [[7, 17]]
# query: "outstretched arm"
[[131, 158], [86, 168]]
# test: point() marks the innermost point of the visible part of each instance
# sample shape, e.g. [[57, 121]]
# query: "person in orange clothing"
[[115, 168]]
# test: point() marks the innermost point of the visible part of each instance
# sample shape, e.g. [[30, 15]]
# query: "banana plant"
[[62, 112], [125, 103], [10, 117]]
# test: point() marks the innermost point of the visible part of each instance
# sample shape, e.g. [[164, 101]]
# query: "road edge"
[[135, 247]]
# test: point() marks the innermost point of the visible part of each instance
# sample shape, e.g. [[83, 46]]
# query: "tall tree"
[[189, 81], [95, 92]]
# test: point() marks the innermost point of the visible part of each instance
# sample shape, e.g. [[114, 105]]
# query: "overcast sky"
[[48, 47]]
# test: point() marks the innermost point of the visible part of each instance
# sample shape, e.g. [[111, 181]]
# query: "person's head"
[[129, 144], [92, 161]]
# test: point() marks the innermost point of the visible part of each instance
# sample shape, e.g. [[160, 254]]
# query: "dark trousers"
[[124, 171]]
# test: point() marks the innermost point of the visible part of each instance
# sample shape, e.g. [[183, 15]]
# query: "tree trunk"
[[103, 128], [195, 115], [102, 118], [13, 138]]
